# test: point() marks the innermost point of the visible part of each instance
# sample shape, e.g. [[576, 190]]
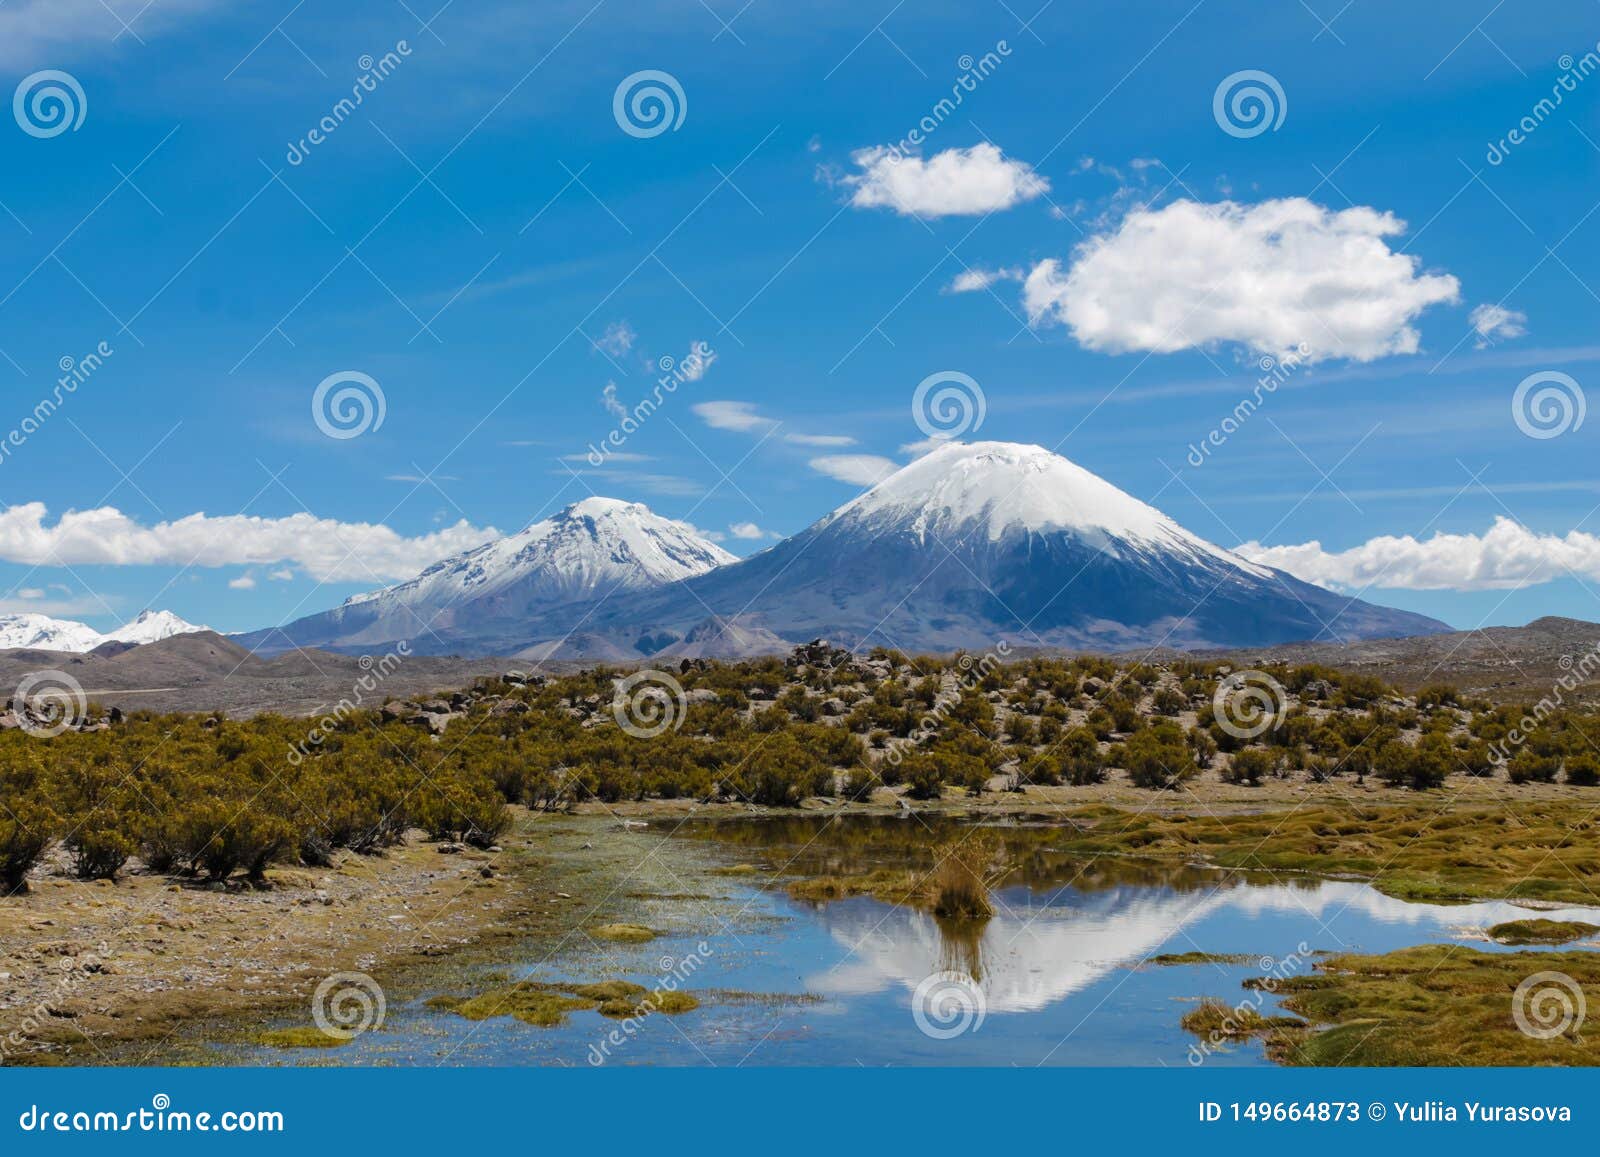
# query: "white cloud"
[[1507, 555], [973, 280], [283, 574], [608, 399], [1272, 276], [617, 339], [245, 582], [740, 417], [324, 548], [919, 448], [666, 484], [1496, 321], [750, 530], [820, 439], [857, 469], [956, 182], [31, 30]]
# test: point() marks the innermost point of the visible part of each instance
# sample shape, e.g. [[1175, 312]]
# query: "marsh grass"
[[548, 1005], [1217, 1020], [960, 884], [1435, 1004]]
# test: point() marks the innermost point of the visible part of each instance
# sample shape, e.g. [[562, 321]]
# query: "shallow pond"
[[1060, 975]]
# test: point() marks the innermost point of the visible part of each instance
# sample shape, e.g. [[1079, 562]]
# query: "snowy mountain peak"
[[42, 633], [587, 550], [1009, 487], [150, 627]]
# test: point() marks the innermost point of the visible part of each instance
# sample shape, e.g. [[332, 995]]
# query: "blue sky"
[[472, 233]]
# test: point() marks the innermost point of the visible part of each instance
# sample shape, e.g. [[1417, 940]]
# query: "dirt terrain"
[[206, 672]]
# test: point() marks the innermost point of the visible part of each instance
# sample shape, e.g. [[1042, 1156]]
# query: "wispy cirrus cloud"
[[739, 417], [856, 469], [32, 31]]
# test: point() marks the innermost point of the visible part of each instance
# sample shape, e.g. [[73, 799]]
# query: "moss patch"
[[1173, 958], [300, 1038], [1540, 931], [1216, 1020], [624, 933], [547, 1005]]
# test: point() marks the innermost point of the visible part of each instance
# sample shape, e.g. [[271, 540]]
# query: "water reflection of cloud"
[[1034, 957]]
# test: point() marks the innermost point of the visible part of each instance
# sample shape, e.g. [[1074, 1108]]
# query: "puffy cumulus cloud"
[[325, 549], [1507, 555], [856, 469], [750, 530], [1270, 276], [956, 182], [1496, 321], [245, 582]]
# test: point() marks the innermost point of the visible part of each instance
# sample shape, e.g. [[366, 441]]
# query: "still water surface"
[[1061, 966]]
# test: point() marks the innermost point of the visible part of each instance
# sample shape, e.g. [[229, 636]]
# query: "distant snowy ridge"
[[43, 633]]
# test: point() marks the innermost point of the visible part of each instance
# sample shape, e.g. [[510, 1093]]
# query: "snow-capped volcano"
[[42, 633], [974, 543], [969, 545], [996, 489], [599, 548]]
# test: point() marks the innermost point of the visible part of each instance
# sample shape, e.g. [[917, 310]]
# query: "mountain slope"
[[474, 602], [976, 543]]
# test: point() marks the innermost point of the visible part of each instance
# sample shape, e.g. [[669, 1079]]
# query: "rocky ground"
[[88, 967]]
